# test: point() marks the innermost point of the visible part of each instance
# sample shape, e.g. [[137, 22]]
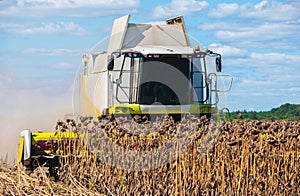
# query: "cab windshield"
[[165, 80], [162, 79]]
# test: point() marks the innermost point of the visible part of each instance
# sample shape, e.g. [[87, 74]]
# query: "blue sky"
[[42, 42]]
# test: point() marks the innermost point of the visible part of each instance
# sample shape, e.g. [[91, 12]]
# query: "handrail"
[[218, 75]]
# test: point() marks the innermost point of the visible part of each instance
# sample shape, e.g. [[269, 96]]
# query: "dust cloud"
[[28, 109]]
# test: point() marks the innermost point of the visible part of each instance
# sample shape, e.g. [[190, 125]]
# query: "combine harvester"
[[148, 70]]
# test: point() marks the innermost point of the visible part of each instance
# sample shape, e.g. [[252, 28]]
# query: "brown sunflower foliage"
[[198, 157]]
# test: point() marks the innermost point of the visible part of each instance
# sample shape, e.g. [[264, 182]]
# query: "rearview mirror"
[[110, 60], [218, 64]]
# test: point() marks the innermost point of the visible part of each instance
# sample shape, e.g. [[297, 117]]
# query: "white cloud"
[[263, 63], [63, 65], [264, 92], [80, 8], [256, 82], [224, 9], [179, 7], [77, 3], [44, 28], [266, 9], [266, 35], [227, 51], [263, 74], [261, 5], [216, 26], [276, 59], [269, 24], [267, 31], [53, 52], [6, 3], [270, 10], [295, 3]]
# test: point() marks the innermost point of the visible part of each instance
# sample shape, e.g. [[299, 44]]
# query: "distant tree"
[[286, 111]]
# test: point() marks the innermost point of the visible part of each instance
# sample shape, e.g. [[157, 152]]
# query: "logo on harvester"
[[150, 100]]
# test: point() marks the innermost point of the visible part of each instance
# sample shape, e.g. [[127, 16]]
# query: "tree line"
[[286, 111]]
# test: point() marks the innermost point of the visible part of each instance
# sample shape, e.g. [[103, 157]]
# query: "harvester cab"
[[147, 70], [150, 69]]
